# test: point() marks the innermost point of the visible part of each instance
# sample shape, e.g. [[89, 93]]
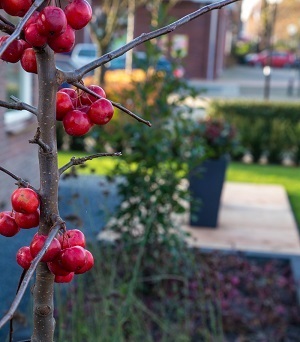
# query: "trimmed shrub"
[[271, 128]]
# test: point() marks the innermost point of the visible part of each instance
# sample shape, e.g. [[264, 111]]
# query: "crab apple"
[[56, 268], [64, 105], [37, 244], [73, 258], [89, 263], [83, 109], [16, 7], [27, 221], [52, 21], [8, 225], [14, 51], [33, 18], [64, 42], [72, 237], [25, 200], [76, 123], [101, 112], [88, 99], [28, 61], [64, 279], [78, 13], [34, 37], [71, 92], [24, 257]]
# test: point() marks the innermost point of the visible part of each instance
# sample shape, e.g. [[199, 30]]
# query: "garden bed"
[[182, 295]]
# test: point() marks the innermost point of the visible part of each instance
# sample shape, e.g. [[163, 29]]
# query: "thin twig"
[[37, 140], [76, 75], [24, 105], [6, 28], [20, 181], [79, 161], [115, 104], [18, 105], [57, 226], [11, 327], [16, 33], [7, 22]]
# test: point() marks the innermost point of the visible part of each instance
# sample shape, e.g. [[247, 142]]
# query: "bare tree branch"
[[59, 224], [77, 75], [18, 105], [37, 140], [115, 104], [16, 33], [7, 22], [79, 161], [20, 181]]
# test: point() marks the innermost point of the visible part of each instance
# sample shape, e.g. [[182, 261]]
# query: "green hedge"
[[271, 128]]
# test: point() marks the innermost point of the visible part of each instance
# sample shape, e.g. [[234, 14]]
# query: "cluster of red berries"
[[25, 214], [66, 254], [52, 26], [79, 111], [65, 257]]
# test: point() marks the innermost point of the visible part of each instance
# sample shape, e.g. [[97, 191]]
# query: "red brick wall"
[[196, 62]]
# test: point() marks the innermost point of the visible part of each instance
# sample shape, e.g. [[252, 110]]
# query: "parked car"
[[86, 53], [277, 59]]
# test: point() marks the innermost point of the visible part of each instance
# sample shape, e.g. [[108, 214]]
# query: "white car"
[[83, 53]]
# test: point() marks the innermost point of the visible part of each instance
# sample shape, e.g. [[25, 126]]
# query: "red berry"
[[71, 92], [64, 105], [89, 263], [16, 7], [37, 244], [87, 99], [28, 61], [34, 37], [27, 221], [56, 268], [73, 258], [52, 21], [13, 52], [78, 13], [72, 237], [32, 19], [25, 200], [64, 42], [76, 123], [64, 279], [101, 112], [8, 225], [24, 257]]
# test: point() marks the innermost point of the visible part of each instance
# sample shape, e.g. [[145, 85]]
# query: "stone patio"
[[252, 218]]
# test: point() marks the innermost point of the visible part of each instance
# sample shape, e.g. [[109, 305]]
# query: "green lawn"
[[289, 177]]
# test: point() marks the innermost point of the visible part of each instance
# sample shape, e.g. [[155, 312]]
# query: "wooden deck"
[[252, 218]]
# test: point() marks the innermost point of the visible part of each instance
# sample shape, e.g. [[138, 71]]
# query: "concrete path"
[[252, 218]]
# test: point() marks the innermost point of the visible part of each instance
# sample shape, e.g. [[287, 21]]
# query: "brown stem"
[[82, 160], [25, 282], [20, 181], [77, 75], [37, 140], [43, 320], [115, 104], [18, 105]]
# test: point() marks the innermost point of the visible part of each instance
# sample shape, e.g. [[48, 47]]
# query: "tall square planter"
[[205, 185]]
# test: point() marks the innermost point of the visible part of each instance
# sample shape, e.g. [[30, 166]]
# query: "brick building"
[[206, 41]]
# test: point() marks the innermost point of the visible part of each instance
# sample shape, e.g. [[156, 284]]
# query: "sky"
[[247, 5]]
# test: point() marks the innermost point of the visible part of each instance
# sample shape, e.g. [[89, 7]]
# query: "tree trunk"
[[43, 308]]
